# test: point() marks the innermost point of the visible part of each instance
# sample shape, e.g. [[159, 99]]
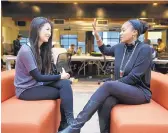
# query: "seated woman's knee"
[[109, 84], [66, 82]]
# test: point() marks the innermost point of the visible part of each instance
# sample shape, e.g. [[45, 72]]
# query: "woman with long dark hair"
[[132, 76], [33, 80]]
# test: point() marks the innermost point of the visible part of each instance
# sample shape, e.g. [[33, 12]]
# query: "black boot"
[[85, 115], [63, 123], [66, 119], [104, 112], [69, 117]]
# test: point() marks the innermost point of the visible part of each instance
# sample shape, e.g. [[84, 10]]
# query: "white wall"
[[9, 30]]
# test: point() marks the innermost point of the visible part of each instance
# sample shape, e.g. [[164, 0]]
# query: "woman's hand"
[[64, 75], [94, 27], [95, 33]]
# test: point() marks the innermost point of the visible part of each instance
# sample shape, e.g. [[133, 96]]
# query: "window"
[[82, 44], [154, 35], [67, 40], [141, 38], [108, 38], [24, 40], [111, 38]]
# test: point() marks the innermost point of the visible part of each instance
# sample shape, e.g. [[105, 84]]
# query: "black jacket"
[[138, 70]]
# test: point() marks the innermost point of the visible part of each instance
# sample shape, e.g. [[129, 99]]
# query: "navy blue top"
[[138, 70]]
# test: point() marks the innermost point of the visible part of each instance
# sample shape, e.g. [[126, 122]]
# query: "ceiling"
[[82, 14], [93, 1], [70, 10]]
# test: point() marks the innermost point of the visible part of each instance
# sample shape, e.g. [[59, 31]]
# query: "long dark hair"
[[44, 59]]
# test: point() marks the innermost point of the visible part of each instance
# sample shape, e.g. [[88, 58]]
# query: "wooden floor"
[[85, 86]]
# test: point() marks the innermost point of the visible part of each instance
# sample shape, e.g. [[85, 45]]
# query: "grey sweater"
[[27, 74]]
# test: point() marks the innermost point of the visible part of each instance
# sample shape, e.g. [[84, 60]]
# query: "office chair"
[[108, 68], [63, 61]]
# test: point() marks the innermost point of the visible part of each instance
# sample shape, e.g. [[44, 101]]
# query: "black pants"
[[112, 93], [52, 91], [126, 94], [104, 113]]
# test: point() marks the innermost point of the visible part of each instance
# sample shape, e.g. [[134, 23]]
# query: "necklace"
[[122, 69]]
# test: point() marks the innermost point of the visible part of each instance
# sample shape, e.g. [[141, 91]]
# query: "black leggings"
[[126, 94], [112, 93], [104, 113], [52, 91]]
